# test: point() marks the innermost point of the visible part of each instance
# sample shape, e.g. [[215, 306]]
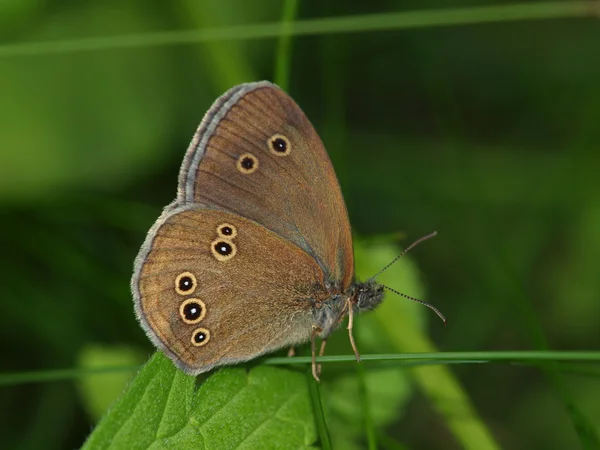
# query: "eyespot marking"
[[192, 310], [279, 145], [247, 163], [227, 231], [223, 249], [200, 337], [185, 283]]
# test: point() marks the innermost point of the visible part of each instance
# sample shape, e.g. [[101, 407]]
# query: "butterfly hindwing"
[[247, 289]]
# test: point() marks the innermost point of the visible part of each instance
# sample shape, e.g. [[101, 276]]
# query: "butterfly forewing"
[[257, 155]]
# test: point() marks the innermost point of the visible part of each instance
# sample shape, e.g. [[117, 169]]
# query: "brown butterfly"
[[255, 254]]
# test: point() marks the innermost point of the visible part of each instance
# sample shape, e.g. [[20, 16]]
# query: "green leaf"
[[264, 408]]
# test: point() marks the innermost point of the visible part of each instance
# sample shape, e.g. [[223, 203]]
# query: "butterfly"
[[255, 253]]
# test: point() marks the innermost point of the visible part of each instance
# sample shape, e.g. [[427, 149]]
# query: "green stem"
[[283, 60], [315, 397]]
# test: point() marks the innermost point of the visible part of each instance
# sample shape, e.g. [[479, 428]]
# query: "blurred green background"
[[488, 133]]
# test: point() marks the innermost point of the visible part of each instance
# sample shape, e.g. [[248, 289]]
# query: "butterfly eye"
[[227, 230], [223, 250], [192, 310], [247, 163], [185, 283], [200, 337], [279, 145]]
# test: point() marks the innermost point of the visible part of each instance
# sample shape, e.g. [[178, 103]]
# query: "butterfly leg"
[[350, 326], [316, 369], [321, 353]]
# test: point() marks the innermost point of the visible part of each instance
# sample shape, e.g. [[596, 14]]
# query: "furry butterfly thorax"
[[255, 253]]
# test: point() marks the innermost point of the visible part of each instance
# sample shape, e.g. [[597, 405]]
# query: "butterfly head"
[[367, 295]]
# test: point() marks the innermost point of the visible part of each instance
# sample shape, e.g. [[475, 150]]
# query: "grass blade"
[[351, 24]]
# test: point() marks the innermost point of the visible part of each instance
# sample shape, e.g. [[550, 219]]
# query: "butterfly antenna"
[[430, 306], [406, 250]]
